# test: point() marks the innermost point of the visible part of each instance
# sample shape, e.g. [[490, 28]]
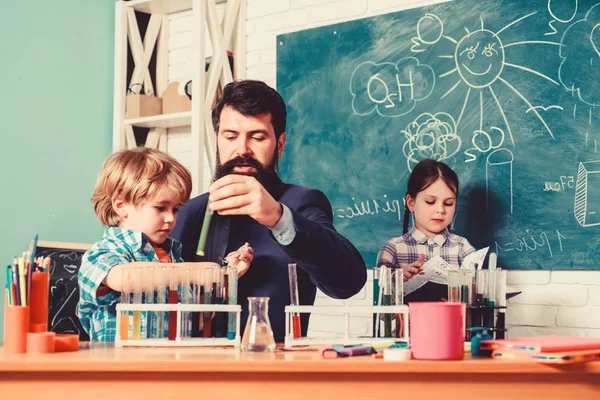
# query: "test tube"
[[126, 292], [492, 298], [294, 299], [186, 298], [220, 319], [149, 316], [136, 277], [197, 298], [232, 299], [453, 286], [208, 292], [225, 288], [398, 295], [467, 278], [386, 299], [480, 287], [467, 295], [501, 303], [159, 325], [173, 299], [375, 297], [224, 317]]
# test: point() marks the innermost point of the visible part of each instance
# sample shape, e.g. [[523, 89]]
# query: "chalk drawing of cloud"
[[579, 50], [390, 89], [430, 136]]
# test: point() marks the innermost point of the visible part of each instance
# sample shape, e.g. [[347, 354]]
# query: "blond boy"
[[137, 197]]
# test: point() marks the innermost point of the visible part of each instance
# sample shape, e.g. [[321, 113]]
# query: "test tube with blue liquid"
[[185, 293], [160, 318], [208, 293], [148, 298], [232, 300], [197, 298]]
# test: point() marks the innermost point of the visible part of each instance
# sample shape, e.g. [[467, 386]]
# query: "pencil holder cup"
[[40, 342], [437, 330], [16, 325], [39, 302]]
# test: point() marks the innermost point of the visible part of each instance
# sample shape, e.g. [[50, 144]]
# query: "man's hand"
[[244, 195]]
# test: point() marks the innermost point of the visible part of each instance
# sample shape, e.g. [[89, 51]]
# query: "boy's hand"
[[241, 259], [412, 269]]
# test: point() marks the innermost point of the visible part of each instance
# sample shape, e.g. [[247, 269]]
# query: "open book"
[[436, 270]]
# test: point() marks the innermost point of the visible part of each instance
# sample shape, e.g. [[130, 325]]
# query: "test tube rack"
[[179, 341], [346, 311]]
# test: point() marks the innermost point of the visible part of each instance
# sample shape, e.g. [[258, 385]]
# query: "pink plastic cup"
[[437, 330]]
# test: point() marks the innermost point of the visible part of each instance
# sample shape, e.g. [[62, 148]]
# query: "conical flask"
[[258, 335]]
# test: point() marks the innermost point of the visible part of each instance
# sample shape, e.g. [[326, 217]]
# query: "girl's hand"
[[241, 259], [412, 269]]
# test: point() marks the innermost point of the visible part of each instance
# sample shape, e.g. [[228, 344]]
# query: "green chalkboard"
[[505, 92]]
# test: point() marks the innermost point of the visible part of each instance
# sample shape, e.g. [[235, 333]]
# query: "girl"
[[431, 196]]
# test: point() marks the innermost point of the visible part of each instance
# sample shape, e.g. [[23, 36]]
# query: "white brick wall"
[[552, 302], [180, 69]]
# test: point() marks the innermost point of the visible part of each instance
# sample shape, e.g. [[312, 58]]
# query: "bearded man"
[[282, 223]]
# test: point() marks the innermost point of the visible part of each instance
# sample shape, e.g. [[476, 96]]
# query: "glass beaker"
[[258, 335]]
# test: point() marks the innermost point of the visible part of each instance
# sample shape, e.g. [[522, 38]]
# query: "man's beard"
[[266, 175]]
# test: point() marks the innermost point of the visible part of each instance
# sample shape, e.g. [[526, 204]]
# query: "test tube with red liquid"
[[294, 300], [173, 299]]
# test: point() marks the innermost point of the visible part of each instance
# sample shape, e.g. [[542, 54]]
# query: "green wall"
[[56, 84]]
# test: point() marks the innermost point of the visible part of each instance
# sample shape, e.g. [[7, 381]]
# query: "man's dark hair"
[[252, 98]]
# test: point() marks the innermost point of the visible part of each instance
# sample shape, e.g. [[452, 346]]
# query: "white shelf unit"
[[162, 121], [179, 341], [226, 35], [346, 311]]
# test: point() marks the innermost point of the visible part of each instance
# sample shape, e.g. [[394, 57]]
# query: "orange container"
[[38, 327], [66, 342], [16, 325], [40, 342], [38, 302]]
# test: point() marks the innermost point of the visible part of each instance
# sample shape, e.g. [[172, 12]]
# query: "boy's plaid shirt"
[[97, 313]]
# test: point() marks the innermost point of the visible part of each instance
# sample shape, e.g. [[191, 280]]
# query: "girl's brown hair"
[[425, 173]]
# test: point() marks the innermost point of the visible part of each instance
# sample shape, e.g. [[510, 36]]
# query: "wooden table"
[[182, 373]]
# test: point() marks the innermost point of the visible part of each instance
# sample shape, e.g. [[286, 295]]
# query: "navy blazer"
[[325, 259]]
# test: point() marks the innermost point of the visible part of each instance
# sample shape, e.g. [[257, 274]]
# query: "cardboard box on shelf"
[[173, 102], [142, 105]]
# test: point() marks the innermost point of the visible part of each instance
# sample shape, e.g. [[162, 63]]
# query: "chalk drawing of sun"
[[479, 61], [479, 58]]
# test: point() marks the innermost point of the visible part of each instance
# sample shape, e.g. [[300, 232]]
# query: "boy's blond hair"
[[137, 176]]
